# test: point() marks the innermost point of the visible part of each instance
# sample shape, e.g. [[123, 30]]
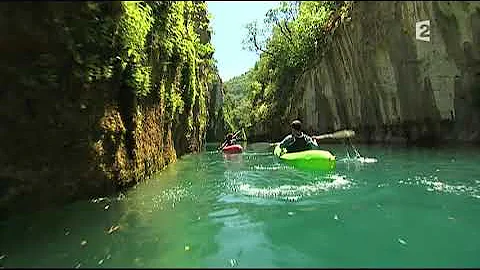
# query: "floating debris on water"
[[108, 257], [106, 207], [100, 262], [335, 217], [3, 256], [83, 243], [451, 218], [113, 229], [233, 262], [187, 248], [78, 265], [290, 213], [99, 200], [401, 241], [121, 196]]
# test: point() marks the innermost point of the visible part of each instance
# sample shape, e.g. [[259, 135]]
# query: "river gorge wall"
[[377, 79], [96, 97]]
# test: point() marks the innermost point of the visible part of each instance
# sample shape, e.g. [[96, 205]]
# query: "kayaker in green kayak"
[[298, 141]]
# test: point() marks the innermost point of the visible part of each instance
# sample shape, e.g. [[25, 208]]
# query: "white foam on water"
[[359, 160], [432, 183], [270, 168], [257, 154], [367, 160], [293, 192]]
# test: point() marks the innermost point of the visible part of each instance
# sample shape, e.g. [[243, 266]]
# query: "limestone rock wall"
[[378, 79]]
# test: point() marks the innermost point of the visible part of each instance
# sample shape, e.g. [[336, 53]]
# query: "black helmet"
[[297, 125]]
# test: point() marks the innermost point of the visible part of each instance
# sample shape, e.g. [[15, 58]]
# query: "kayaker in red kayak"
[[229, 140]]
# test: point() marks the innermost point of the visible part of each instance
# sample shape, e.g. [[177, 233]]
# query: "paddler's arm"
[[286, 141], [223, 145], [236, 134], [312, 141]]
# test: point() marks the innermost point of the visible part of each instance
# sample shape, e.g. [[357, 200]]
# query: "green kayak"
[[309, 159]]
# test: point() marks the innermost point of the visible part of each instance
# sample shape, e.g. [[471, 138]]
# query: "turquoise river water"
[[413, 207]]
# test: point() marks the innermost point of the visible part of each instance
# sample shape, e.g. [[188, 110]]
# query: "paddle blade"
[[343, 134]]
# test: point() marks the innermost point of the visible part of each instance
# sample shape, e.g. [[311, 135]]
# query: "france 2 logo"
[[422, 30]]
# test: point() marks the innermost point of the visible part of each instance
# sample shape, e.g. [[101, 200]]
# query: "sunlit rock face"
[[377, 78]]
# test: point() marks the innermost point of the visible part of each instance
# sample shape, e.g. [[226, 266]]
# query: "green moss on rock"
[[99, 95]]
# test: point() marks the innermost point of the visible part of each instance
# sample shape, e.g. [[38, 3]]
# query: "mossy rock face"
[[93, 93]]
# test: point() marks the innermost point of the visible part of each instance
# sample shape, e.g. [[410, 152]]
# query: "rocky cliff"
[[375, 76], [216, 123], [98, 96]]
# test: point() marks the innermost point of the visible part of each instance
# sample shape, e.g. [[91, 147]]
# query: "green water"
[[411, 208]]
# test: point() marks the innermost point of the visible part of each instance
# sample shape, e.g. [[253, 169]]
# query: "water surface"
[[412, 208]]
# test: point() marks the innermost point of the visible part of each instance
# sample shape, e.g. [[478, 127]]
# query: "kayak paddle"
[[342, 134]]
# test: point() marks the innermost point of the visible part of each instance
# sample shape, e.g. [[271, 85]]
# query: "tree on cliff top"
[[294, 35]]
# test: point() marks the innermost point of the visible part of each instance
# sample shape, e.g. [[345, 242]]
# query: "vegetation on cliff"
[[104, 93], [156, 53], [300, 32], [236, 109]]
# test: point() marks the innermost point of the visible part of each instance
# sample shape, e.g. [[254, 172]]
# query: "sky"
[[228, 24]]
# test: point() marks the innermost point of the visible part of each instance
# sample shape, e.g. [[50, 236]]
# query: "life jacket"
[[299, 144]]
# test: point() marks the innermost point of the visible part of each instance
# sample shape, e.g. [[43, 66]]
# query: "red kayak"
[[233, 149]]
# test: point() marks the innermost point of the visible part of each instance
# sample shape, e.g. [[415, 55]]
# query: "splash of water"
[[359, 160], [294, 192]]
